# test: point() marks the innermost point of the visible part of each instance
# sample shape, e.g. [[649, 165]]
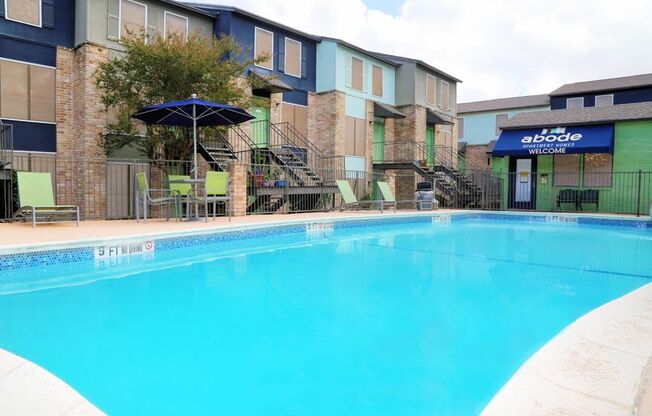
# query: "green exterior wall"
[[632, 152]]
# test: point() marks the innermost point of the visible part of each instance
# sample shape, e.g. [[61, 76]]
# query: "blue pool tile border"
[[50, 255]]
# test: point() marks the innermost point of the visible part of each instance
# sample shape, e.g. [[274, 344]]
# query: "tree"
[[155, 70]]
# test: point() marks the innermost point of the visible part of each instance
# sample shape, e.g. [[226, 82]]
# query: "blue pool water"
[[403, 319]]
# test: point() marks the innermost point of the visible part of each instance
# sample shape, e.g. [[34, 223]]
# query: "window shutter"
[[281, 53], [347, 71], [47, 14], [113, 28], [2, 8], [304, 61], [365, 77]]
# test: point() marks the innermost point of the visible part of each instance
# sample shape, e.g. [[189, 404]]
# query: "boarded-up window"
[[41, 93], [577, 102], [597, 169], [430, 89], [296, 115], [14, 92], [377, 80], [133, 18], [356, 136], [177, 25], [500, 118], [566, 170], [604, 100], [357, 77], [444, 94], [264, 47], [292, 57], [24, 11]]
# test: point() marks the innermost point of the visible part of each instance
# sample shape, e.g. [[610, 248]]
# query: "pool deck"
[[599, 365]]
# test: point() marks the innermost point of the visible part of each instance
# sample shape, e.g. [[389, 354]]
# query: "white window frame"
[[285, 58], [434, 82], [575, 98], [55, 93], [40, 15], [165, 23], [604, 95], [439, 90], [256, 29], [382, 81], [120, 17]]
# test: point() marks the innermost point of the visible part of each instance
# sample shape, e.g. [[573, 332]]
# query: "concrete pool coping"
[[599, 365]]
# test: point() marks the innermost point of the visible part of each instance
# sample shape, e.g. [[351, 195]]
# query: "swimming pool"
[[410, 317]]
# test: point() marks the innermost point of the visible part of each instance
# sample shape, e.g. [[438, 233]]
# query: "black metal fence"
[[104, 189]]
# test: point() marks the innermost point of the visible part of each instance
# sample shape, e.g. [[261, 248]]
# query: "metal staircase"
[[440, 165]]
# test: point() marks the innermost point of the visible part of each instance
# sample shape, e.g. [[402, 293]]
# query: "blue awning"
[[556, 140]]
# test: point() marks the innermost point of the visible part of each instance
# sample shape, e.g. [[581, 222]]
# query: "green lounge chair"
[[216, 189], [388, 195], [145, 196], [36, 200], [350, 201]]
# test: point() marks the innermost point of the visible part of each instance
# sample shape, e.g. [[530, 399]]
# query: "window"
[[15, 97], [356, 137], [445, 135], [27, 92], [597, 169], [264, 47], [500, 118], [357, 78], [566, 169], [430, 89], [293, 57], [42, 93], [604, 100], [175, 24], [377, 80], [577, 102], [133, 18], [24, 11], [460, 127], [296, 115], [444, 95]]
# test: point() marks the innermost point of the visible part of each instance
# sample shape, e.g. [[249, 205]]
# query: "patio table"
[[193, 183]]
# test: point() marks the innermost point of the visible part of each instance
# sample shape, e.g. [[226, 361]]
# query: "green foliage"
[[155, 70]]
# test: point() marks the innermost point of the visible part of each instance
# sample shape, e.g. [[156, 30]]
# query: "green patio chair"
[[183, 192], [388, 195], [36, 200], [146, 196], [350, 201], [216, 190]]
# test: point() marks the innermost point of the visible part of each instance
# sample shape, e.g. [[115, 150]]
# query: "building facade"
[[478, 125], [599, 152]]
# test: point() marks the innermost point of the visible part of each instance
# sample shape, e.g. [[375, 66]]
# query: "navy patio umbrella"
[[193, 113]]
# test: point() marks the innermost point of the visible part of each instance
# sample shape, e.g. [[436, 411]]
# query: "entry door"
[[522, 183], [430, 145], [260, 126], [379, 141]]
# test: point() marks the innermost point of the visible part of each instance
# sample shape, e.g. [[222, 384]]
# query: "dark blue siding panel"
[[34, 137], [634, 95], [35, 53], [58, 25], [296, 97]]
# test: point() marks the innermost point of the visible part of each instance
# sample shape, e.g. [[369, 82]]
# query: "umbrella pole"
[[194, 155]]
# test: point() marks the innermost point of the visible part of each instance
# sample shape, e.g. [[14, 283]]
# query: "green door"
[[379, 141], [430, 145], [260, 126]]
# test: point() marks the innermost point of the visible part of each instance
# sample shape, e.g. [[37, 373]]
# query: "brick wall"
[[88, 125], [326, 121], [476, 157], [238, 189], [64, 118]]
